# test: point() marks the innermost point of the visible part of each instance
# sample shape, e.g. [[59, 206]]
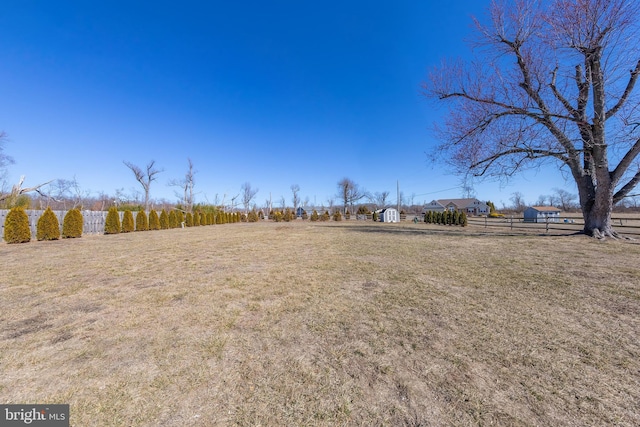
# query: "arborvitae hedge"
[[314, 216], [203, 219], [164, 220], [72, 224], [16, 226], [375, 216], [128, 224], [463, 219], [277, 216], [154, 221], [173, 221], [48, 226], [179, 218], [189, 220], [112, 223], [142, 224], [305, 216], [325, 216], [196, 219], [337, 216], [288, 215], [210, 218]]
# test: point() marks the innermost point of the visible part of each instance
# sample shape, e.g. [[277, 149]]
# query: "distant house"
[[468, 206], [542, 214], [434, 206], [388, 215]]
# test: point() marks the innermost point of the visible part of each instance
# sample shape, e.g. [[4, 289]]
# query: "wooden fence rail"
[[624, 225]]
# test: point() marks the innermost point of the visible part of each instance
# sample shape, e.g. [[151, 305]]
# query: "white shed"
[[389, 215], [542, 214]]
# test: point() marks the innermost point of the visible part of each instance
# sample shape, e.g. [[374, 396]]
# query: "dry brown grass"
[[327, 324]]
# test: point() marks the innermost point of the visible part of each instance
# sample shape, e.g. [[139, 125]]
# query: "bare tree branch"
[[144, 177]]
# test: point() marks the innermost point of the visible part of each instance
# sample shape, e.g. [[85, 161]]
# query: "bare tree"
[[542, 200], [564, 200], [330, 203], [248, 194], [380, 199], [145, 177], [186, 185], [349, 192], [11, 196], [17, 190], [295, 189], [518, 203], [555, 82]]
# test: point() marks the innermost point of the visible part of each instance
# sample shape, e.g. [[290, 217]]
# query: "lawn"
[[324, 324]]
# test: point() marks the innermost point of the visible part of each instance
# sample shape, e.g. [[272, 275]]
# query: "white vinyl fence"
[[93, 221]]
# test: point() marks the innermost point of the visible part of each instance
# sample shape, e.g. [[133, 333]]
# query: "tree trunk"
[[596, 210]]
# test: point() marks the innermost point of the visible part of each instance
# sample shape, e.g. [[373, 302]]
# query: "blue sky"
[[271, 93]]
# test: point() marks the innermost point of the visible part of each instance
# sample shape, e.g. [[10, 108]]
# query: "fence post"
[[511, 221], [485, 222], [547, 224]]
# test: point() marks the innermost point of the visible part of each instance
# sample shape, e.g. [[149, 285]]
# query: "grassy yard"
[[327, 324]]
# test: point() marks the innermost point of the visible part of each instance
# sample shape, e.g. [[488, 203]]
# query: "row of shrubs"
[[17, 230], [164, 221], [446, 218]]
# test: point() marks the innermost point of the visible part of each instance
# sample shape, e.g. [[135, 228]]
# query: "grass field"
[[328, 324]]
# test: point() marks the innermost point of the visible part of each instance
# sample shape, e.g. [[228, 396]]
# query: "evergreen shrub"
[[164, 220], [314, 216], [72, 224], [16, 226], [48, 226], [189, 220], [252, 216], [112, 223], [337, 216], [142, 223], [128, 224], [173, 220], [154, 220]]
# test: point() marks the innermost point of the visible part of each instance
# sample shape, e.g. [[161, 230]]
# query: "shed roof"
[[545, 208]]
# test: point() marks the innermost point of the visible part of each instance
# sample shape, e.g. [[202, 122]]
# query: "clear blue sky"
[[272, 93]]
